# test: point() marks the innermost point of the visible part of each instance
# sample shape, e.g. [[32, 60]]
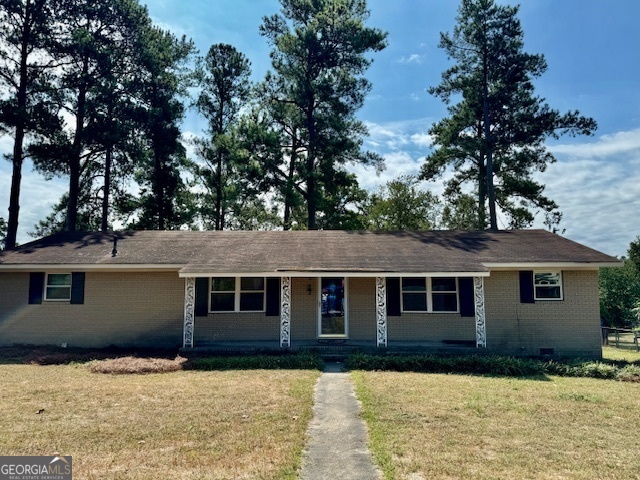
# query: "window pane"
[[222, 302], [414, 302], [548, 292], [252, 283], [548, 278], [445, 302], [414, 285], [223, 284], [59, 279], [252, 302], [443, 284], [58, 293]]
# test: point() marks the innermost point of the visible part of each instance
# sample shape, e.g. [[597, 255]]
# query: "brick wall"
[[144, 309], [570, 326], [236, 327]]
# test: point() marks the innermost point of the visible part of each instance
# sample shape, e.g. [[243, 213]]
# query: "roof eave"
[[496, 266], [185, 273]]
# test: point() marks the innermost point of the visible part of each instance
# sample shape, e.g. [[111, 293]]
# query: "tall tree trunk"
[[76, 152], [482, 195], [312, 206], [219, 223], [486, 119], [158, 189], [18, 146], [289, 192], [108, 160]]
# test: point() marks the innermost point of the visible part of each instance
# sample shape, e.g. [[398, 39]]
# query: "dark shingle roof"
[[325, 250]]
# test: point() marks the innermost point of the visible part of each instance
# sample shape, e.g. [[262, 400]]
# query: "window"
[[223, 294], [437, 294], [58, 287], [231, 294], [547, 285], [251, 294], [444, 294], [414, 294]]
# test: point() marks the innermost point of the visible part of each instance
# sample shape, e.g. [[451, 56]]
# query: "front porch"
[[339, 312]]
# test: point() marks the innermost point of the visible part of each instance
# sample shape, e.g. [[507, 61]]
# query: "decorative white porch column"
[[285, 312], [381, 311], [189, 311], [478, 295]]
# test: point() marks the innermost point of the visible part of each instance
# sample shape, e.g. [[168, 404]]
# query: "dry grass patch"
[[425, 426], [184, 425], [129, 365]]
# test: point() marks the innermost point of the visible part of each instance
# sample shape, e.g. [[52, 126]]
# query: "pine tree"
[[494, 137], [319, 58], [223, 77], [26, 111]]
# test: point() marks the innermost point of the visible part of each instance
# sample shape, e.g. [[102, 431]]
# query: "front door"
[[332, 322]]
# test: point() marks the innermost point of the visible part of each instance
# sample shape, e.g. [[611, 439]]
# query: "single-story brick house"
[[520, 292]]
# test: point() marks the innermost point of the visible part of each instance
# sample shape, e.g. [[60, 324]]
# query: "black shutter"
[[273, 297], [393, 297], [202, 297], [467, 303], [526, 286], [77, 288], [36, 287]]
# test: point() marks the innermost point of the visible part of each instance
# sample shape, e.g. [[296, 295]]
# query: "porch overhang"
[[205, 271]]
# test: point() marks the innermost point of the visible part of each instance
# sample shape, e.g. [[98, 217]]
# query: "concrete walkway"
[[337, 448]]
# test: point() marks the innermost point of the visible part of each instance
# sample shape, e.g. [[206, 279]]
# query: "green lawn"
[[426, 426], [626, 349], [184, 425]]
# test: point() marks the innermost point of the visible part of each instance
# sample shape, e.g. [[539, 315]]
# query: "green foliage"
[[401, 205], [26, 72], [494, 137], [298, 361], [494, 365], [460, 212], [634, 253], [620, 291], [164, 202], [317, 85], [223, 78], [96, 46]]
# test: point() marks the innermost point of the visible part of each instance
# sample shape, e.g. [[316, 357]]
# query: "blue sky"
[[591, 49]]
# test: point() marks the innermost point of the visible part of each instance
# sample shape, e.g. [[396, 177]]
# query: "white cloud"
[[607, 145], [413, 58], [397, 136], [397, 163], [594, 183], [596, 187], [422, 139]]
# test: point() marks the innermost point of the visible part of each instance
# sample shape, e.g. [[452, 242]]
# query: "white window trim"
[[236, 297], [429, 292], [561, 285], [46, 285]]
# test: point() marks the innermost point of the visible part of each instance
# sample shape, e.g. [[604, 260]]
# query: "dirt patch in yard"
[[137, 365]]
